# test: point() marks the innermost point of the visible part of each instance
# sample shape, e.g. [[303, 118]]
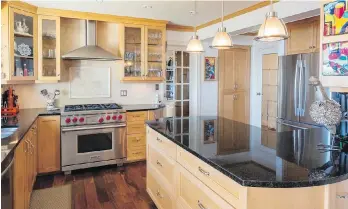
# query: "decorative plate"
[[24, 49]]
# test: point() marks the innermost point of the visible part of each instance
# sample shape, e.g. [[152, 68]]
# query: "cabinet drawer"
[[161, 143], [136, 154], [135, 128], [159, 194], [136, 116], [229, 190], [192, 193], [136, 140], [164, 165]]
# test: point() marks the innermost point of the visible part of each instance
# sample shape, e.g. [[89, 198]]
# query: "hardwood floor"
[[104, 187]]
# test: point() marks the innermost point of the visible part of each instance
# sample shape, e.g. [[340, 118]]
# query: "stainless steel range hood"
[[90, 51]]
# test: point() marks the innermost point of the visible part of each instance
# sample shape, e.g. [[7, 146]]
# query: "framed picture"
[[335, 59], [209, 127], [336, 18], [210, 69]]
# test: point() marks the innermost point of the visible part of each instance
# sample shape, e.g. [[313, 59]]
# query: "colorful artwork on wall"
[[336, 18], [209, 131], [210, 69], [335, 59]]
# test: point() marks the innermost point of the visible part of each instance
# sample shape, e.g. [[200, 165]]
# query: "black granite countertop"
[[142, 107], [258, 157], [22, 121]]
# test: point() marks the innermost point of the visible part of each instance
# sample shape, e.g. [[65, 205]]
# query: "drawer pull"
[[137, 139], [203, 171], [137, 153], [342, 196], [159, 194], [158, 163], [158, 139], [200, 205]]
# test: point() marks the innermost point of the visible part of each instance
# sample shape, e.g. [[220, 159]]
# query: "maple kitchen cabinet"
[[48, 144], [19, 44], [144, 53], [25, 169], [49, 48], [304, 36]]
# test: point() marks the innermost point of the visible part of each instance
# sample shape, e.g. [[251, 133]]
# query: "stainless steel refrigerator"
[[295, 95]]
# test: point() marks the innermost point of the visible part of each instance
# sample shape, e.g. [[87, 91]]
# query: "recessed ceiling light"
[[145, 6], [100, 1]]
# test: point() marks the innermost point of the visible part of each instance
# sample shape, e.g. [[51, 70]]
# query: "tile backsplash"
[[137, 93]]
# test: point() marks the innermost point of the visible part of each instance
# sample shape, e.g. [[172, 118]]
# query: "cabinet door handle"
[[200, 205], [203, 171], [159, 164], [310, 47], [158, 139], [342, 196], [235, 86], [235, 97]]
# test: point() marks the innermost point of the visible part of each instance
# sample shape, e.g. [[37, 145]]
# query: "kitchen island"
[[213, 162]]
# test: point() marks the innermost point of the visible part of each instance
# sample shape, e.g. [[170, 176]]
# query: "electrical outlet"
[[157, 87], [123, 93]]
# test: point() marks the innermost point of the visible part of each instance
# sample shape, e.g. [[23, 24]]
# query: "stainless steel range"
[[92, 135]]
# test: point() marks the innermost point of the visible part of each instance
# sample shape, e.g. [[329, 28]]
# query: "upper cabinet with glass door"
[[22, 45], [133, 53], [155, 53], [49, 48]]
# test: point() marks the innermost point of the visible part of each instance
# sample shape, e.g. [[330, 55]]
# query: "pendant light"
[[194, 45], [222, 40], [273, 28]]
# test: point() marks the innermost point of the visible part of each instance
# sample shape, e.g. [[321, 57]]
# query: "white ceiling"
[[177, 12]]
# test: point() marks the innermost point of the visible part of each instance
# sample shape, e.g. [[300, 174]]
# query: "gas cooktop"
[[88, 107]]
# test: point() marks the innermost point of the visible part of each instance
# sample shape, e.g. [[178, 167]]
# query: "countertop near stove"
[[142, 107], [22, 121], [256, 157]]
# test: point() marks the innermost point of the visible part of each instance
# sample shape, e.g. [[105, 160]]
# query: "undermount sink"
[[6, 132]]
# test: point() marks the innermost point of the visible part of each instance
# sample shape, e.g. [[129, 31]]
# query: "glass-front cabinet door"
[[134, 52], [23, 43], [49, 48], [155, 53]]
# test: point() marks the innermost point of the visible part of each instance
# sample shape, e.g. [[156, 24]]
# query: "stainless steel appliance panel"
[[95, 143], [7, 174], [310, 67], [288, 97]]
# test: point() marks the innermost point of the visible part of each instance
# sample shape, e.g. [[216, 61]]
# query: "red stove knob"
[[120, 117], [108, 117], [81, 120], [74, 120], [101, 120], [114, 117], [67, 120]]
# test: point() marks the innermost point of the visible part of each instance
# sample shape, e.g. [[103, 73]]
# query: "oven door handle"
[[92, 127]]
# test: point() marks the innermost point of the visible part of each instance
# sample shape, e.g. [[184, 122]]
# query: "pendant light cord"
[[271, 6], [222, 13], [194, 19]]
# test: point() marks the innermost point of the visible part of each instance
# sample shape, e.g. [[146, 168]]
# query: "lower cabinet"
[[49, 144], [25, 169]]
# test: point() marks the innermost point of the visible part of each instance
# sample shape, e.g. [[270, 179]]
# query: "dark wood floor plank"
[[108, 187]]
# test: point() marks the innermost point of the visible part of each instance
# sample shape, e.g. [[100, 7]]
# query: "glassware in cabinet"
[[155, 53], [49, 48], [23, 42], [133, 54]]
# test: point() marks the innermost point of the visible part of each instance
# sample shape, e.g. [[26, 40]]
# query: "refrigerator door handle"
[[303, 91], [296, 90], [300, 89]]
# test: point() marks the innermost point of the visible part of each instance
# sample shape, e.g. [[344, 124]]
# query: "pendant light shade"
[[222, 40], [273, 29], [195, 45]]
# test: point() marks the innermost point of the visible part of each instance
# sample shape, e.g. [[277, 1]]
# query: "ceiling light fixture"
[[194, 45], [145, 6], [273, 28], [222, 39]]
